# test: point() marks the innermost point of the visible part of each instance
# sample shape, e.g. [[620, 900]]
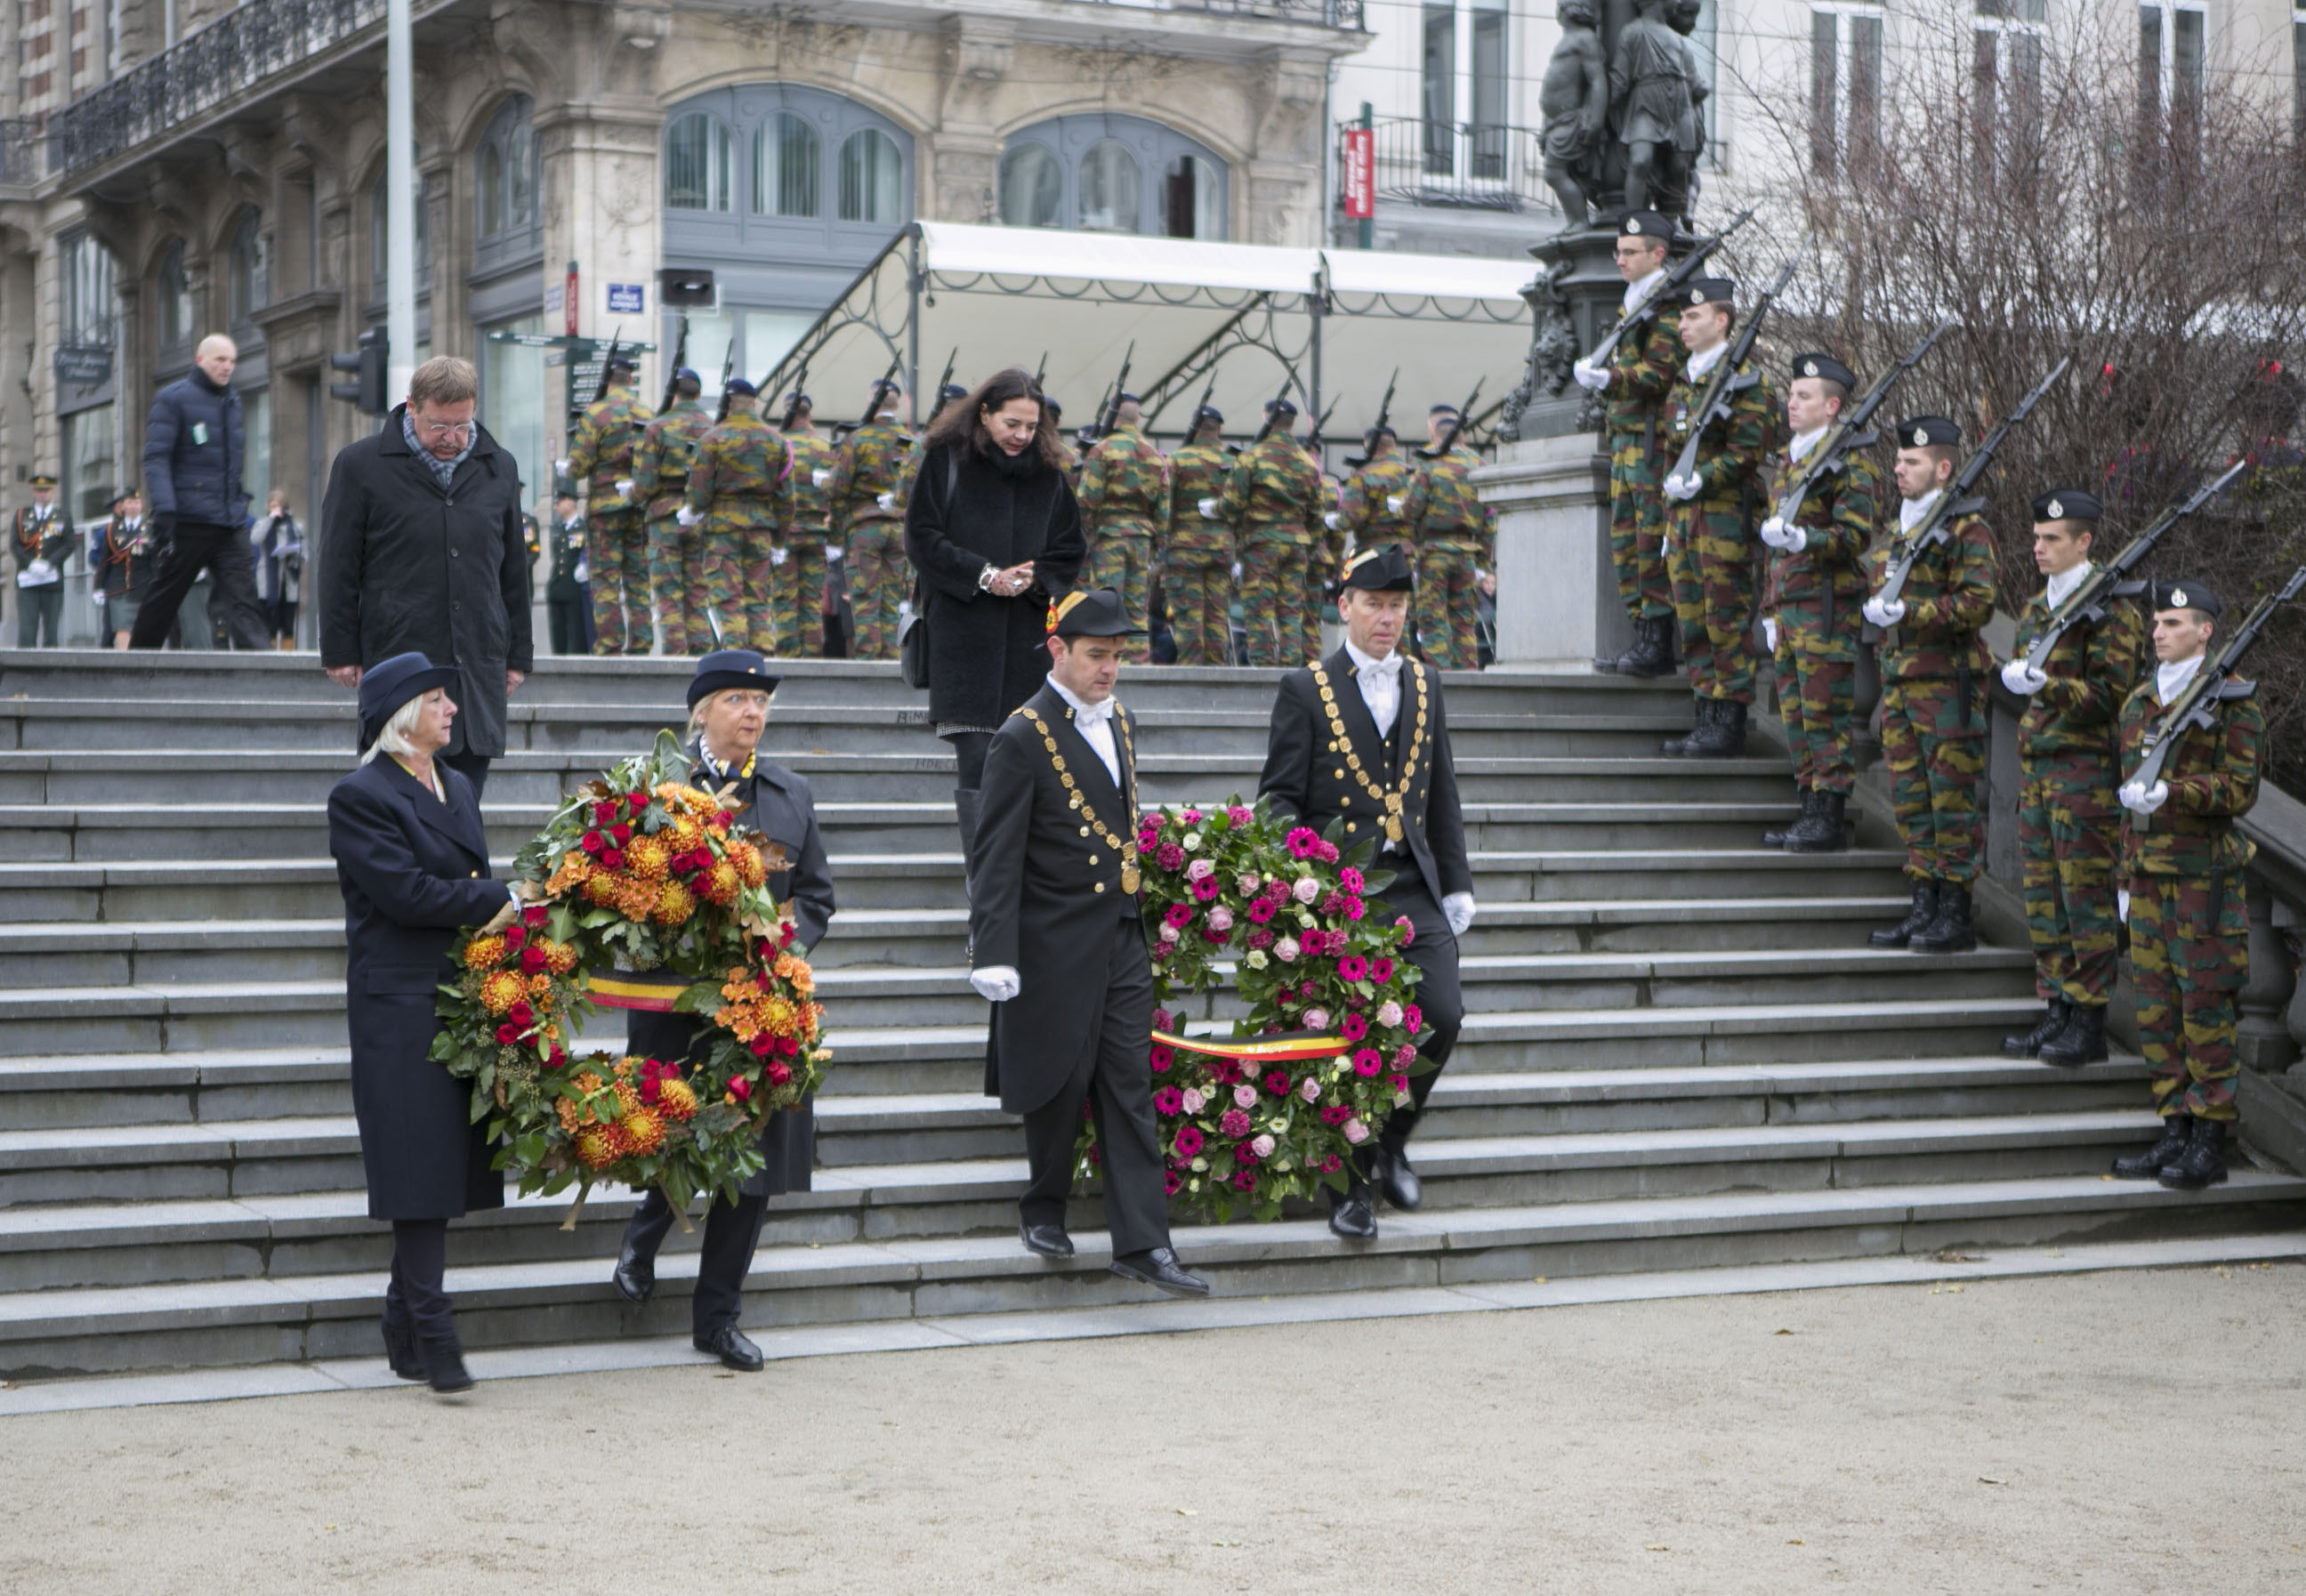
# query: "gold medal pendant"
[[1131, 879], [1393, 828]]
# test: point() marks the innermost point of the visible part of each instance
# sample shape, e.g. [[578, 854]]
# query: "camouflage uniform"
[[1324, 562], [2189, 924], [875, 461], [1125, 506], [600, 452], [1455, 534], [1273, 499], [741, 484], [1643, 370], [2068, 824], [1814, 596], [1710, 540], [1934, 666], [1196, 561], [660, 464], [799, 583], [1366, 505]]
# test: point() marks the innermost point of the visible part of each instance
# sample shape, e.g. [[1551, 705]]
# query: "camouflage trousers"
[[1273, 596], [2069, 832], [1323, 565], [1638, 529], [736, 588], [2189, 960], [1446, 607], [615, 544], [880, 577], [1711, 560], [1199, 592], [1122, 559], [1934, 744], [797, 596], [677, 573], [1818, 692]]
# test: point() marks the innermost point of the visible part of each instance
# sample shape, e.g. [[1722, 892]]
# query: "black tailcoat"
[[1047, 892], [1306, 774], [414, 870], [779, 805]]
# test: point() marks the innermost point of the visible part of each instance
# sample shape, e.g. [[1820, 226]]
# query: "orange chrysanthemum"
[[566, 1108], [484, 952], [629, 1100], [687, 833], [540, 987], [675, 1101], [559, 957], [501, 990], [644, 860], [674, 904], [600, 1146], [601, 888], [747, 862], [644, 1132], [721, 884]]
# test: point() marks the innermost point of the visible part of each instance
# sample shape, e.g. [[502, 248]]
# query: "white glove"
[[99, 596], [1457, 908], [819, 477], [561, 468], [887, 501], [1590, 377], [832, 551], [1209, 508], [776, 556], [2144, 800], [687, 518], [1237, 570], [1770, 632], [1775, 533], [995, 983], [40, 571], [1332, 520], [2121, 904], [2018, 679], [1679, 487], [625, 489], [1394, 501], [1884, 614]]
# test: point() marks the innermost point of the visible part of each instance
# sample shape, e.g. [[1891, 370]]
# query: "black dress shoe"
[[2082, 1042], [444, 1363], [400, 1351], [1398, 1180], [2028, 1043], [733, 1346], [635, 1277], [2204, 1161], [1049, 1240], [2177, 1131], [1350, 1216], [1158, 1268]]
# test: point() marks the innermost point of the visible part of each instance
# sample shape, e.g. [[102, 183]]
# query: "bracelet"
[[985, 578]]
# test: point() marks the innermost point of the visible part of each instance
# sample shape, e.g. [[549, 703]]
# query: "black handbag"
[[913, 633]]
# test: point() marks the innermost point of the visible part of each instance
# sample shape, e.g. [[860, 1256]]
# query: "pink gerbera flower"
[[1353, 967], [1244, 1180], [1351, 878], [1380, 971], [1168, 1100], [1354, 1027], [1368, 1062], [1303, 842], [1189, 1140]]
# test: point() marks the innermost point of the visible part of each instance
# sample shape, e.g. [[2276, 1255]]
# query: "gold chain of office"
[[1132, 878], [1390, 802]]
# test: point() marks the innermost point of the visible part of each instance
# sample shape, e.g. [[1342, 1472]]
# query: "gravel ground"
[[2134, 1433]]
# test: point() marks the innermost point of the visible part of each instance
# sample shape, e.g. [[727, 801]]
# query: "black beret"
[[1090, 612], [1644, 224], [1379, 570], [1050, 400], [1704, 291], [1125, 398], [952, 391], [2068, 504], [1209, 412], [1280, 407], [742, 389], [799, 401], [687, 374], [1443, 410], [1928, 431], [727, 668], [2187, 595], [1825, 366]]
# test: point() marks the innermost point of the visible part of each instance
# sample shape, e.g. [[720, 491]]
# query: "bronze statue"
[[1649, 88], [1574, 101]]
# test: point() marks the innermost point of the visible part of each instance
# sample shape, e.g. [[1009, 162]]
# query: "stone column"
[[1557, 593], [2262, 1037]]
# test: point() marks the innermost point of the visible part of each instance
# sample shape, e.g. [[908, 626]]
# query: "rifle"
[[673, 372], [1273, 415], [1384, 415], [1728, 381], [2213, 684], [2111, 580], [886, 381], [608, 364], [1041, 371], [728, 370], [1849, 431], [1314, 442], [1457, 425], [1110, 413], [943, 382], [1680, 272], [799, 391], [1956, 501]]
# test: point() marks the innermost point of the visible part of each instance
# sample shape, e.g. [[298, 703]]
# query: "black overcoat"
[[406, 566], [779, 805], [1047, 890], [1306, 774], [412, 870], [988, 655]]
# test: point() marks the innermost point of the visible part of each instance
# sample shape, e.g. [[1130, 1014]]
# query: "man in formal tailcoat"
[[1058, 939], [1361, 737]]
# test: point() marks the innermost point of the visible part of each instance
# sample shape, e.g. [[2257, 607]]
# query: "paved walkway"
[[2134, 1431]]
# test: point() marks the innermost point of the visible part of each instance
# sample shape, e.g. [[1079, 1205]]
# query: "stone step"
[[248, 1317]]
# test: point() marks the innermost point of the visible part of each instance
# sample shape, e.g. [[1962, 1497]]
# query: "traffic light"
[[367, 390]]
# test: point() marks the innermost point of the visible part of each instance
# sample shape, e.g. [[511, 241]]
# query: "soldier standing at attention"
[[1326, 559], [601, 456], [660, 464], [741, 496], [2183, 860], [1198, 559], [799, 583], [1273, 501], [42, 539], [871, 470], [1933, 694], [1124, 503], [1635, 383], [1709, 522], [2069, 825], [1816, 587], [1456, 537], [1370, 505]]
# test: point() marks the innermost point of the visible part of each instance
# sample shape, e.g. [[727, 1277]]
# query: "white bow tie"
[[1094, 714], [1388, 667]]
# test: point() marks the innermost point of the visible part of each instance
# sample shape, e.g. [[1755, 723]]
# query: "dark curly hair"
[[963, 423]]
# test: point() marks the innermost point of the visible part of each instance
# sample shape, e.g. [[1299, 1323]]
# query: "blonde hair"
[[394, 737], [696, 709], [444, 379]]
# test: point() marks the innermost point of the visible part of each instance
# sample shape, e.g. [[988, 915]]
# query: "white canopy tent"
[[1333, 325]]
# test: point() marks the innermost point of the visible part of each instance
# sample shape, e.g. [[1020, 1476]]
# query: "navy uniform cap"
[[1644, 224], [727, 668], [1126, 397], [624, 362], [1280, 407], [952, 391], [1055, 408], [742, 389], [799, 401], [1443, 410], [2068, 504], [1928, 431], [1708, 291], [1209, 412], [1826, 366], [2187, 595], [387, 685], [1379, 570], [1090, 612], [687, 374]]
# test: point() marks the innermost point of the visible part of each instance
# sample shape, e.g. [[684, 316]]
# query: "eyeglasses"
[[452, 430]]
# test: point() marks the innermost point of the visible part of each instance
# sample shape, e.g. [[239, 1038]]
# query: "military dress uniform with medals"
[[1328, 755], [41, 537]]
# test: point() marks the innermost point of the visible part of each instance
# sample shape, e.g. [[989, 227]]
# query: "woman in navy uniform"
[[413, 863], [727, 707]]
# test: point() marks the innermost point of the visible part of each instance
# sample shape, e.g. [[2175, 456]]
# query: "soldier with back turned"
[[1454, 537], [1125, 505], [1198, 559], [1273, 501], [798, 584], [872, 468], [661, 466], [601, 456], [739, 498]]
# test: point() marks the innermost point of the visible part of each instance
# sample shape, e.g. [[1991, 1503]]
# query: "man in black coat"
[[1362, 736], [195, 448], [422, 552], [1059, 942]]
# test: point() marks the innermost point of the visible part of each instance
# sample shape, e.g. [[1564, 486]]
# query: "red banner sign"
[[1360, 173]]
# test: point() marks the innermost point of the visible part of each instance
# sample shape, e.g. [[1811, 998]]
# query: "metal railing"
[[1470, 166], [1329, 13]]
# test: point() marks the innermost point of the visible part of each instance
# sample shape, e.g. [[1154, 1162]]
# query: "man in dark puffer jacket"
[[194, 448]]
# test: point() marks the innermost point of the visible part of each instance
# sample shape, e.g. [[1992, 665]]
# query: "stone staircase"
[[1680, 1051]]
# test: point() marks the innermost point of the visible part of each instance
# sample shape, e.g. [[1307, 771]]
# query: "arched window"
[[788, 159], [1032, 187], [380, 232], [174, 297], [872, 177], [1108, 174], [506, 163], [251, 267], [696, 162]]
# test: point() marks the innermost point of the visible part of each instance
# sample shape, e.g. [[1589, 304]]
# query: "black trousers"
[[225, 551], [1114, 1077], [731, 1236], [419, 1260], [564, 620], [474, 767], [1434, 951]]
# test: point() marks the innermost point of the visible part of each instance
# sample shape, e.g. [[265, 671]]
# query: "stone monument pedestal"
[[1557, 602]]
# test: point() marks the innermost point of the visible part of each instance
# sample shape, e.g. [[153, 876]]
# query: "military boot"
[[1824, 831], [2177, 1134], [2082, 1042], [1951, 931], [2029, 1044], [1679, 748], [1777, 838], [1652, 653], [2204, 1161], [1719, 736], [1918, 915]]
